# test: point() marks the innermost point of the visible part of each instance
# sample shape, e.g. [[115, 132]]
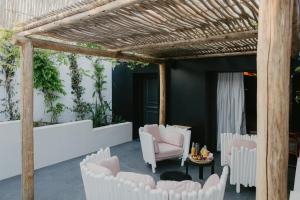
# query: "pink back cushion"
[[241, 143], [98, 169], [137, 178], [112, 164], [173, 136], [178, 187], [213, 180], [153, 129]]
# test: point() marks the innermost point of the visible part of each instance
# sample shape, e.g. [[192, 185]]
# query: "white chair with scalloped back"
[[103, 179], [239, 152], [161, 143]]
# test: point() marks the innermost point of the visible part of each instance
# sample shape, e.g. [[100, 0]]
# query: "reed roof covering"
[[155, 28]]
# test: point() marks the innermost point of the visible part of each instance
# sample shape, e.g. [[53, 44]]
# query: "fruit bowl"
[[201, 157], [201, 160]]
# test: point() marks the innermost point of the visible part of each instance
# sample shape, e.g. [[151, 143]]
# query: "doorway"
[[146, 100], [250, 82]]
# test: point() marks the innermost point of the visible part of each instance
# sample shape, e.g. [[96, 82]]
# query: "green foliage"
[[99, 110], [99, 113], [47, 80], [80, 107], [9, 60], [135, 65], [297, 69], [117, 119]]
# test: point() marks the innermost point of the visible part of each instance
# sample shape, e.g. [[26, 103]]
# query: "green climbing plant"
[[80, 107], [47, 80], [135, 65], [100, 108], [9, 58]]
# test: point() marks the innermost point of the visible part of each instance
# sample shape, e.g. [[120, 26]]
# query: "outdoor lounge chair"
[[102, 181], [161, 143], [239, 152]]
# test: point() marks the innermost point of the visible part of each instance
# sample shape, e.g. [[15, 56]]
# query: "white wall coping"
[[111, 125]]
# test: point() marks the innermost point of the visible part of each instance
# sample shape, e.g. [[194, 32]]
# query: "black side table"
[[175, 176], [200, 165]]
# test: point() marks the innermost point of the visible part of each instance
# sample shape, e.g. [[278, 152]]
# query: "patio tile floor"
[[63, 181]]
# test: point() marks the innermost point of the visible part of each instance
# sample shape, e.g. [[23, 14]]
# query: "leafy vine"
[[101, 107], [80, 107], [9, 57], [47, 80]]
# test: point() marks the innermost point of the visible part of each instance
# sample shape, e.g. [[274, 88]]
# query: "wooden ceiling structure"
[[160, 30]]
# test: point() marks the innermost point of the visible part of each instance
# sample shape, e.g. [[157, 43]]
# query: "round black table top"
[[175, 176]]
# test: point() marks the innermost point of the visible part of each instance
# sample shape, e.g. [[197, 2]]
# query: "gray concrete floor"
[[63, 181]]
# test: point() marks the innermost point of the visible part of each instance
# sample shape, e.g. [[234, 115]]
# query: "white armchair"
[[161, 143], [100, 183], [239, 152]]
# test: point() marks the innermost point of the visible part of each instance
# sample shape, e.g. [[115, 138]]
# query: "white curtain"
[[230, 104]]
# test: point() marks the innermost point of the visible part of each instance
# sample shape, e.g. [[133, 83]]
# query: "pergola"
[[156, 31]]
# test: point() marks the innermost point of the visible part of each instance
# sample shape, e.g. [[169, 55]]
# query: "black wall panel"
[[191, 92]]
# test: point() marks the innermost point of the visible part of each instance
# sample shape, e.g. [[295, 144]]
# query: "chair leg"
[[238, 188], [153, 168], [182, 162]]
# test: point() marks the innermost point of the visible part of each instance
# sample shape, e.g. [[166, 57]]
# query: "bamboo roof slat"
[[155, 28]]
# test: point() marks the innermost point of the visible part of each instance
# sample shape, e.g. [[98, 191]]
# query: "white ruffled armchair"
[[161, 143], [239, 152]]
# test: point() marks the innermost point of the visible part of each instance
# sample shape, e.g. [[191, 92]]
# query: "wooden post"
[[27, 120], [273, 71], [162, 93]]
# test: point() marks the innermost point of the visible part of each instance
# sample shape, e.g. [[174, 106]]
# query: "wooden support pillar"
[[162, 94], [27, 120], [273, 75]]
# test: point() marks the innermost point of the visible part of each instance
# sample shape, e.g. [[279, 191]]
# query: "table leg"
[[200, 172]]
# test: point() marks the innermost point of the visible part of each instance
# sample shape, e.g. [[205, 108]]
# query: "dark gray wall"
[[192, 86], [191, 93]]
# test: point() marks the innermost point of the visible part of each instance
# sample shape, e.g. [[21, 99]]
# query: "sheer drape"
[[230, 104]]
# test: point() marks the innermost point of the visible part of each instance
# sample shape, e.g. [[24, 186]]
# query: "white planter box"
[[57, 143]]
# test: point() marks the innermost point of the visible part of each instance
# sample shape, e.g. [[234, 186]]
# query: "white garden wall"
[[67, 100], [57, 143]]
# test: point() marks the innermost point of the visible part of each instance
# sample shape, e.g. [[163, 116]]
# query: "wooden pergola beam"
[[65, 20], [212, 55], [212, 39], [273, 75], [27, 120], [162, 93], [45, 44]]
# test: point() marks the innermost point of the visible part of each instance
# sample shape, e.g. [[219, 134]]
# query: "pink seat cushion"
[[213, 180], [156, 147], [173, 136], [137, 178], [153, 129], [98, 169], [168, 151], [178, 187], [241, 143], [112, 164]]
